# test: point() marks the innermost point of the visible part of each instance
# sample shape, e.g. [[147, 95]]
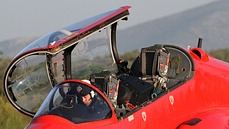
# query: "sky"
[[35, 18]]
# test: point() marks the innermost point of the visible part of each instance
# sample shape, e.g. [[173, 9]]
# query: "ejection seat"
[[180, 67]]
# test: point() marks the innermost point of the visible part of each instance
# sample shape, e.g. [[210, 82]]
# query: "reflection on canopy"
[[29, 82]]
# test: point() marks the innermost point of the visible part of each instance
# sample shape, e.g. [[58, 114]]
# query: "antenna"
[[200, 43]]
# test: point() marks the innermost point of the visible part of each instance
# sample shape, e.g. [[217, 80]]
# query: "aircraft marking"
[[144, 116], [130, 118], [171, 99]]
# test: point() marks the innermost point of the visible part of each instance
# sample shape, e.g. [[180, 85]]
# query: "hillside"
[[210, 22], [11, 47]]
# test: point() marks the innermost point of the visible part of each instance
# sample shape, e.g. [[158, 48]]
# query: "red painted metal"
[[203, 97]]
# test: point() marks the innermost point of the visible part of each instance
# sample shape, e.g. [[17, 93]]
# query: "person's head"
[[86, 94], [87, 99]]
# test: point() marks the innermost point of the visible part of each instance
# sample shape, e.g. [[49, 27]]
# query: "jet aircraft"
[[166, 86]]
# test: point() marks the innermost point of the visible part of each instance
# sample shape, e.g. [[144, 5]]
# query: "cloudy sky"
[[26, 18]]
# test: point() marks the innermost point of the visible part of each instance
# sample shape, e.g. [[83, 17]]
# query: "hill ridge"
[[210, 22]]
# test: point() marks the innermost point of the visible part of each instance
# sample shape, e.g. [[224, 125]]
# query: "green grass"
[[10, 117]]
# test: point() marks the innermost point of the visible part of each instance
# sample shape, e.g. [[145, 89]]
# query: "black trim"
[[191, 122], [67, 62], [183, 50], [7, 79], [113, 42], [50, 73]]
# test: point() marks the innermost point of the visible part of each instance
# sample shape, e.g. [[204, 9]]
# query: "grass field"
[[10, 117]]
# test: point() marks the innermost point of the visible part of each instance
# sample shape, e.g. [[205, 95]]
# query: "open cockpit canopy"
[[73, 52]]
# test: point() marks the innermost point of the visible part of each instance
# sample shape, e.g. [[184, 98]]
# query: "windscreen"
[[29, 83], [93, 55]]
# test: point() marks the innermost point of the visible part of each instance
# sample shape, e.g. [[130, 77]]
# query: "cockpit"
[[67, 100]]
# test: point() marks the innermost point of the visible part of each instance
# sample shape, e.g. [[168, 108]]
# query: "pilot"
[[94, 106], [85, 95], [82, 104]]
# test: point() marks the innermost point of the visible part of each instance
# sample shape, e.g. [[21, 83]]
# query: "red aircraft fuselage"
[[166, 87]]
